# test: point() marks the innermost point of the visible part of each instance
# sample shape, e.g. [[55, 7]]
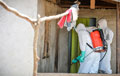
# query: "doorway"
[[73, 43]]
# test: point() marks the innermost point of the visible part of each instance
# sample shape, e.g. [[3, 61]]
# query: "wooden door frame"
[[118, 39]]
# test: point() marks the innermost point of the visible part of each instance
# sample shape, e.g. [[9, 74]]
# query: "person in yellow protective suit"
[[88, 64], [105, 65]]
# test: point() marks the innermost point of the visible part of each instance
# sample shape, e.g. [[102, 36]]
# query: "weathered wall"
[[16, 39], [63, 51], [46, 8], [55, 61], [41, 11]]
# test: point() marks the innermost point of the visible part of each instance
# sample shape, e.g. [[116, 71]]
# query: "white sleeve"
[[109, 36], [82, 40]]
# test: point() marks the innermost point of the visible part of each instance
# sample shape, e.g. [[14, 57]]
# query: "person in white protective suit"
[[90, 63], [105, 64]]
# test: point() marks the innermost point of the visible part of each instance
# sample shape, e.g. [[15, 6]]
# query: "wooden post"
[[36, 58], [92, 4], [118, 38], [46, 42]]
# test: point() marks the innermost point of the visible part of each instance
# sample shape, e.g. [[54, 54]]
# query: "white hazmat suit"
[[105, 64], [91, 62]]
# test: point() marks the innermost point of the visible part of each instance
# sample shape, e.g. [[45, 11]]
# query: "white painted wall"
[[16, 39]]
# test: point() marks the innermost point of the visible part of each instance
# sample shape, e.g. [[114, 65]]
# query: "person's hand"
[[82, 57], [76, 59]]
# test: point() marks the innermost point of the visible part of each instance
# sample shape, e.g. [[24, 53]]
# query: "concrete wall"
[[16, 39], [46, 8]]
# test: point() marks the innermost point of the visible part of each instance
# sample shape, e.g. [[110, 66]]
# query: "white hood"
[[80, 27], [102, 23]]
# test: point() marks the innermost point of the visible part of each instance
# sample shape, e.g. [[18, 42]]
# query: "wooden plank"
[[116, 0], [56, 52], [41, 6], [69, 74], [87, 6], [92, 4], [110, 1], [58, 1], [46, 40], [47, 64], [63, 51], [118, 37]]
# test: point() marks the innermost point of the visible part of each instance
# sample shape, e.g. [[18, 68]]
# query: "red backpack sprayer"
[[99, 44]]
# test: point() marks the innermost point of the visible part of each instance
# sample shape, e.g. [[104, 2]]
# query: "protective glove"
[[76, 59], [82, 56]]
